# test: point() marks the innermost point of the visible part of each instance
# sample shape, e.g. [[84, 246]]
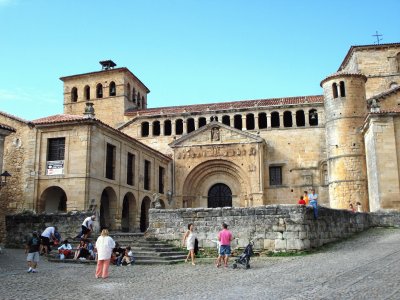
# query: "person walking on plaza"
[[225, 238], [104, 245], [32, 248], [86, 228], [189, 239], [48, 234]]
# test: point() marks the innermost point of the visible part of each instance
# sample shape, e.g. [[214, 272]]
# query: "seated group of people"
[[85, 250], [121, 256]]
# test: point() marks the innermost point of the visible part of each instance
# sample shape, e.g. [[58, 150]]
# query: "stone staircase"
[[147, 251]]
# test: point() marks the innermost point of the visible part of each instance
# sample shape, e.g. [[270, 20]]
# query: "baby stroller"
[[244, 258]]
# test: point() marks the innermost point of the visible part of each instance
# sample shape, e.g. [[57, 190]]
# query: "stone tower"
[[345, 109], [113, 92]]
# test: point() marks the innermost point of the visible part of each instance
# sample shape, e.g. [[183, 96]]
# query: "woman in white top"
[[104, 245], [189, 238]]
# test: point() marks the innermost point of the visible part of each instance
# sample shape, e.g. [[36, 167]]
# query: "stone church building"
[[111, 153]]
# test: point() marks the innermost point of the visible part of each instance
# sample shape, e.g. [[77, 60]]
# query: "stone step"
[[161, 254]]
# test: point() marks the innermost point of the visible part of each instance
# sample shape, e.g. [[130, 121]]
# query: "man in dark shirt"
[[32, 248]]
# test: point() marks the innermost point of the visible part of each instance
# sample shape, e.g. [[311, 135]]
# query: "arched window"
[[190, 125], [262, 120], [156, 128], [342, 89], [237, 120], [145, 129], [214, 118], [134, 95], [393, 85], [87, 92], [167, 127], [74, 94], [300, 118], [178, 127], [334, 90], [226, 120], [128, 90], [99, 91], [324, 174], [275, 123], [398, 62], [313, 117], [138, 100], [287, 119], [202, 122], [112, 89], [250, 122]]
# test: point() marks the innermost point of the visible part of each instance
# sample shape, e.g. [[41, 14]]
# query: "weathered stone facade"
[[271, 227], [241, 153]]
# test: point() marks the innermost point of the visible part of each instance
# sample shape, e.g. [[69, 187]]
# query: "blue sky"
[[184, 51]]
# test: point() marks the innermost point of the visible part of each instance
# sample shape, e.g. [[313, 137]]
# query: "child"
[[301, 201], [127, 258], [32, 248], [65, 250]]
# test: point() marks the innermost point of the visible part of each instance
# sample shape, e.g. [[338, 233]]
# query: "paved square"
[[364, 267]]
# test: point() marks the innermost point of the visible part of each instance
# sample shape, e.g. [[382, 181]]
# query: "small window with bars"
[[56, 149], [275, 175]]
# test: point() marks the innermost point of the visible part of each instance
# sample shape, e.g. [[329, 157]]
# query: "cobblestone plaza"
[[363, 267]]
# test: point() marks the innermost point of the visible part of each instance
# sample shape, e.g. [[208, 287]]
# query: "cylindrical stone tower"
[[345, 110]]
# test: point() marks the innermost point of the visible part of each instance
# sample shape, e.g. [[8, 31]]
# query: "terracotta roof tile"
[[14, 117], [226, 105], [343, 74], [386, 93], [58, 119], [6, 127]]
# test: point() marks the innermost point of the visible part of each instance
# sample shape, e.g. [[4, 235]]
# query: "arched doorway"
[[53, 200], [219, 195], [108, 208], [144, 214], [128, 219]]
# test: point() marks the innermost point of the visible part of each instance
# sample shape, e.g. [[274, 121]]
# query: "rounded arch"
[[99, 90], [74, 94], [53, 199], [87, 92], [205, 175], [112, 89], [129, 212], [144, 214], [219, 195], [108, 208]]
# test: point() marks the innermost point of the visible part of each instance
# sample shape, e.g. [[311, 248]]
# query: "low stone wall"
[[272, 227], [20, 226]]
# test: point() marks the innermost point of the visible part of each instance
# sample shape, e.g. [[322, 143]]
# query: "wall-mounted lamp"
[[3, 178]]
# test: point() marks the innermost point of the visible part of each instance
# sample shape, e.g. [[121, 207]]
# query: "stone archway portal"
[[219, 195]]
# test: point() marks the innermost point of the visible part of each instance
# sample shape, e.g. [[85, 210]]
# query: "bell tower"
[[113, 91], [345, 109]]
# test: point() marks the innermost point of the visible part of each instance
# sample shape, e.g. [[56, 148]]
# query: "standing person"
[[224, 237], [87, 227], [47, 234], [32, 248], [305, 197], [351, 207], [359, 207], [189, 238], [104, 245], [314, 203]]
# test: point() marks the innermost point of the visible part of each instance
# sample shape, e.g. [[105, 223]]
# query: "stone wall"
[[20, 226], [273, 227]]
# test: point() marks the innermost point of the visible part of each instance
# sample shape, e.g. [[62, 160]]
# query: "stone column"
[[173, 127], [294, 119], [150, 128], [268, 121], [161, 128], [256, 122], [307, 119], [281, 120], [244, 122], [184, 127]]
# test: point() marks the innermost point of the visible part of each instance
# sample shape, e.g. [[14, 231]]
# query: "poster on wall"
[[55, 167]]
